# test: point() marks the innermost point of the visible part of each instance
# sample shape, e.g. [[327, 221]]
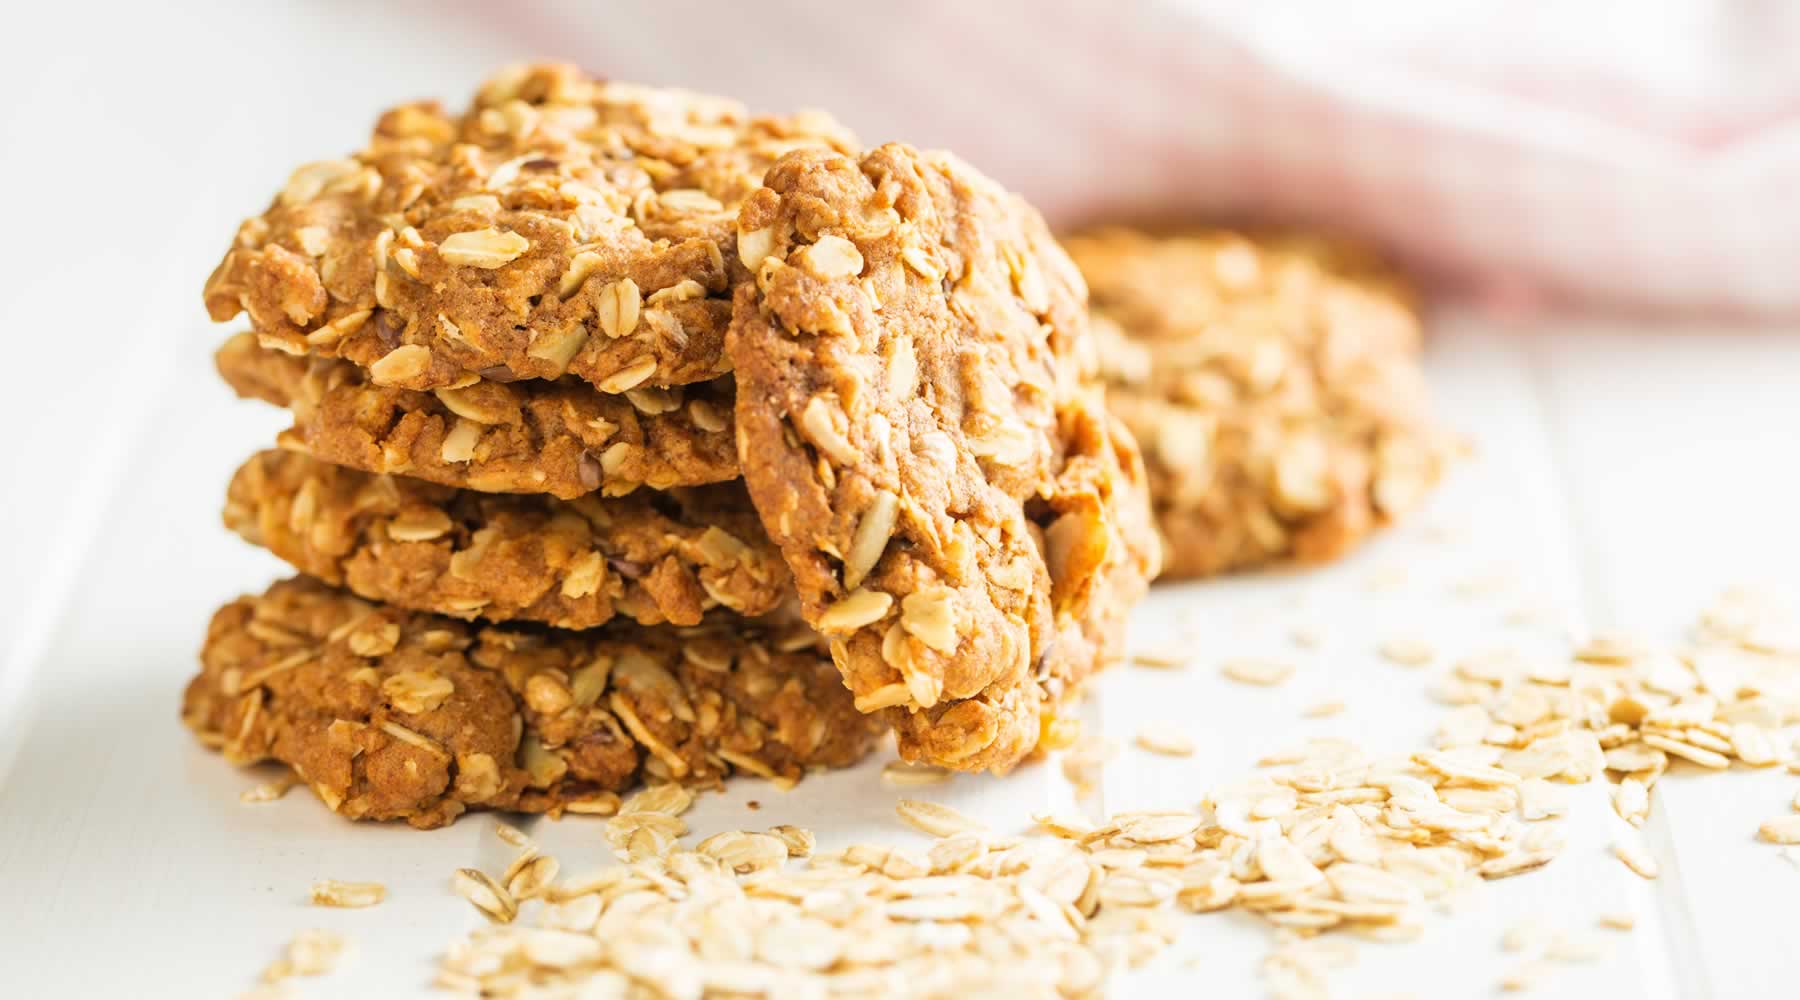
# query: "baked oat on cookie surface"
[[1275, 385], [920, 433], [562, 224], [562, 438], [651, 557], [389, 714]]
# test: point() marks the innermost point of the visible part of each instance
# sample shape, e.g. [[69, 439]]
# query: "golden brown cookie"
[[912, 363], [561, 438], [653, 557], [389, 714], [562, 224], [1101, 541], [1275, 384]]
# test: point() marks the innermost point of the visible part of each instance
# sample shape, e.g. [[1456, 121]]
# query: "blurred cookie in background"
[[1274, 383]]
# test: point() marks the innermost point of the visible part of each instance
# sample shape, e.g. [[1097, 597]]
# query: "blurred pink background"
[[1640, 155]]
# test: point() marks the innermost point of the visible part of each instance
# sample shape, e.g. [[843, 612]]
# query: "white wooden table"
[[1624, 475]]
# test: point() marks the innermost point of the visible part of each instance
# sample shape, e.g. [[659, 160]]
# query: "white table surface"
[[1625, 473]]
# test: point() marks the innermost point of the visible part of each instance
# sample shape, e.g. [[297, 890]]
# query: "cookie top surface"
[[653, 557], [534, 436], [390, 714], [1275, 384], [561, 224], [905, 357]]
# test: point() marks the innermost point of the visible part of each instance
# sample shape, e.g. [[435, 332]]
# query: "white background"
[[1626, 471]]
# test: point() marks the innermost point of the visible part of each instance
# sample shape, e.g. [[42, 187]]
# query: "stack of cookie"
[[1275, 383], [637, 438]]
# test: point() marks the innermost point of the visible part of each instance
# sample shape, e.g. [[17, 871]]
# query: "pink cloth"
[[1514, 150]]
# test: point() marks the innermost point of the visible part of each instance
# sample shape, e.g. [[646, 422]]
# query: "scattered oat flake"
[[799, 840], [347, 895], [1573, 946], [1408, 651], [1539, 799], [1324, 709], [1483, 584], [1260, 672], [1618, 920], [530, 874], [268, 791], [935, 819], [485, 894], [1166, 739], [312, 952], [1325, 839], [1526, 616], [1636, 858], [1526, 935], [1168, 657], [745, 853], [1524, 978], [905, 775], [1687, 751], [670, 799], [1783, 830], [1631, 800], [1608, 649], [1516, 863]]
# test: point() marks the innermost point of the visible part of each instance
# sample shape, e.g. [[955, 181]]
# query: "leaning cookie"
[[562, 438], [389, 714], [562, 224], [1275, 384], [1102, 546], [913, 368], [652, 557]]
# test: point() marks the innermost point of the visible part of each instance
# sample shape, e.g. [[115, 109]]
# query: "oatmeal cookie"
[[561, 225], [913, 372], [1275, 383], [1099, 538], [561, 438], [390, 714], [654, 557]]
